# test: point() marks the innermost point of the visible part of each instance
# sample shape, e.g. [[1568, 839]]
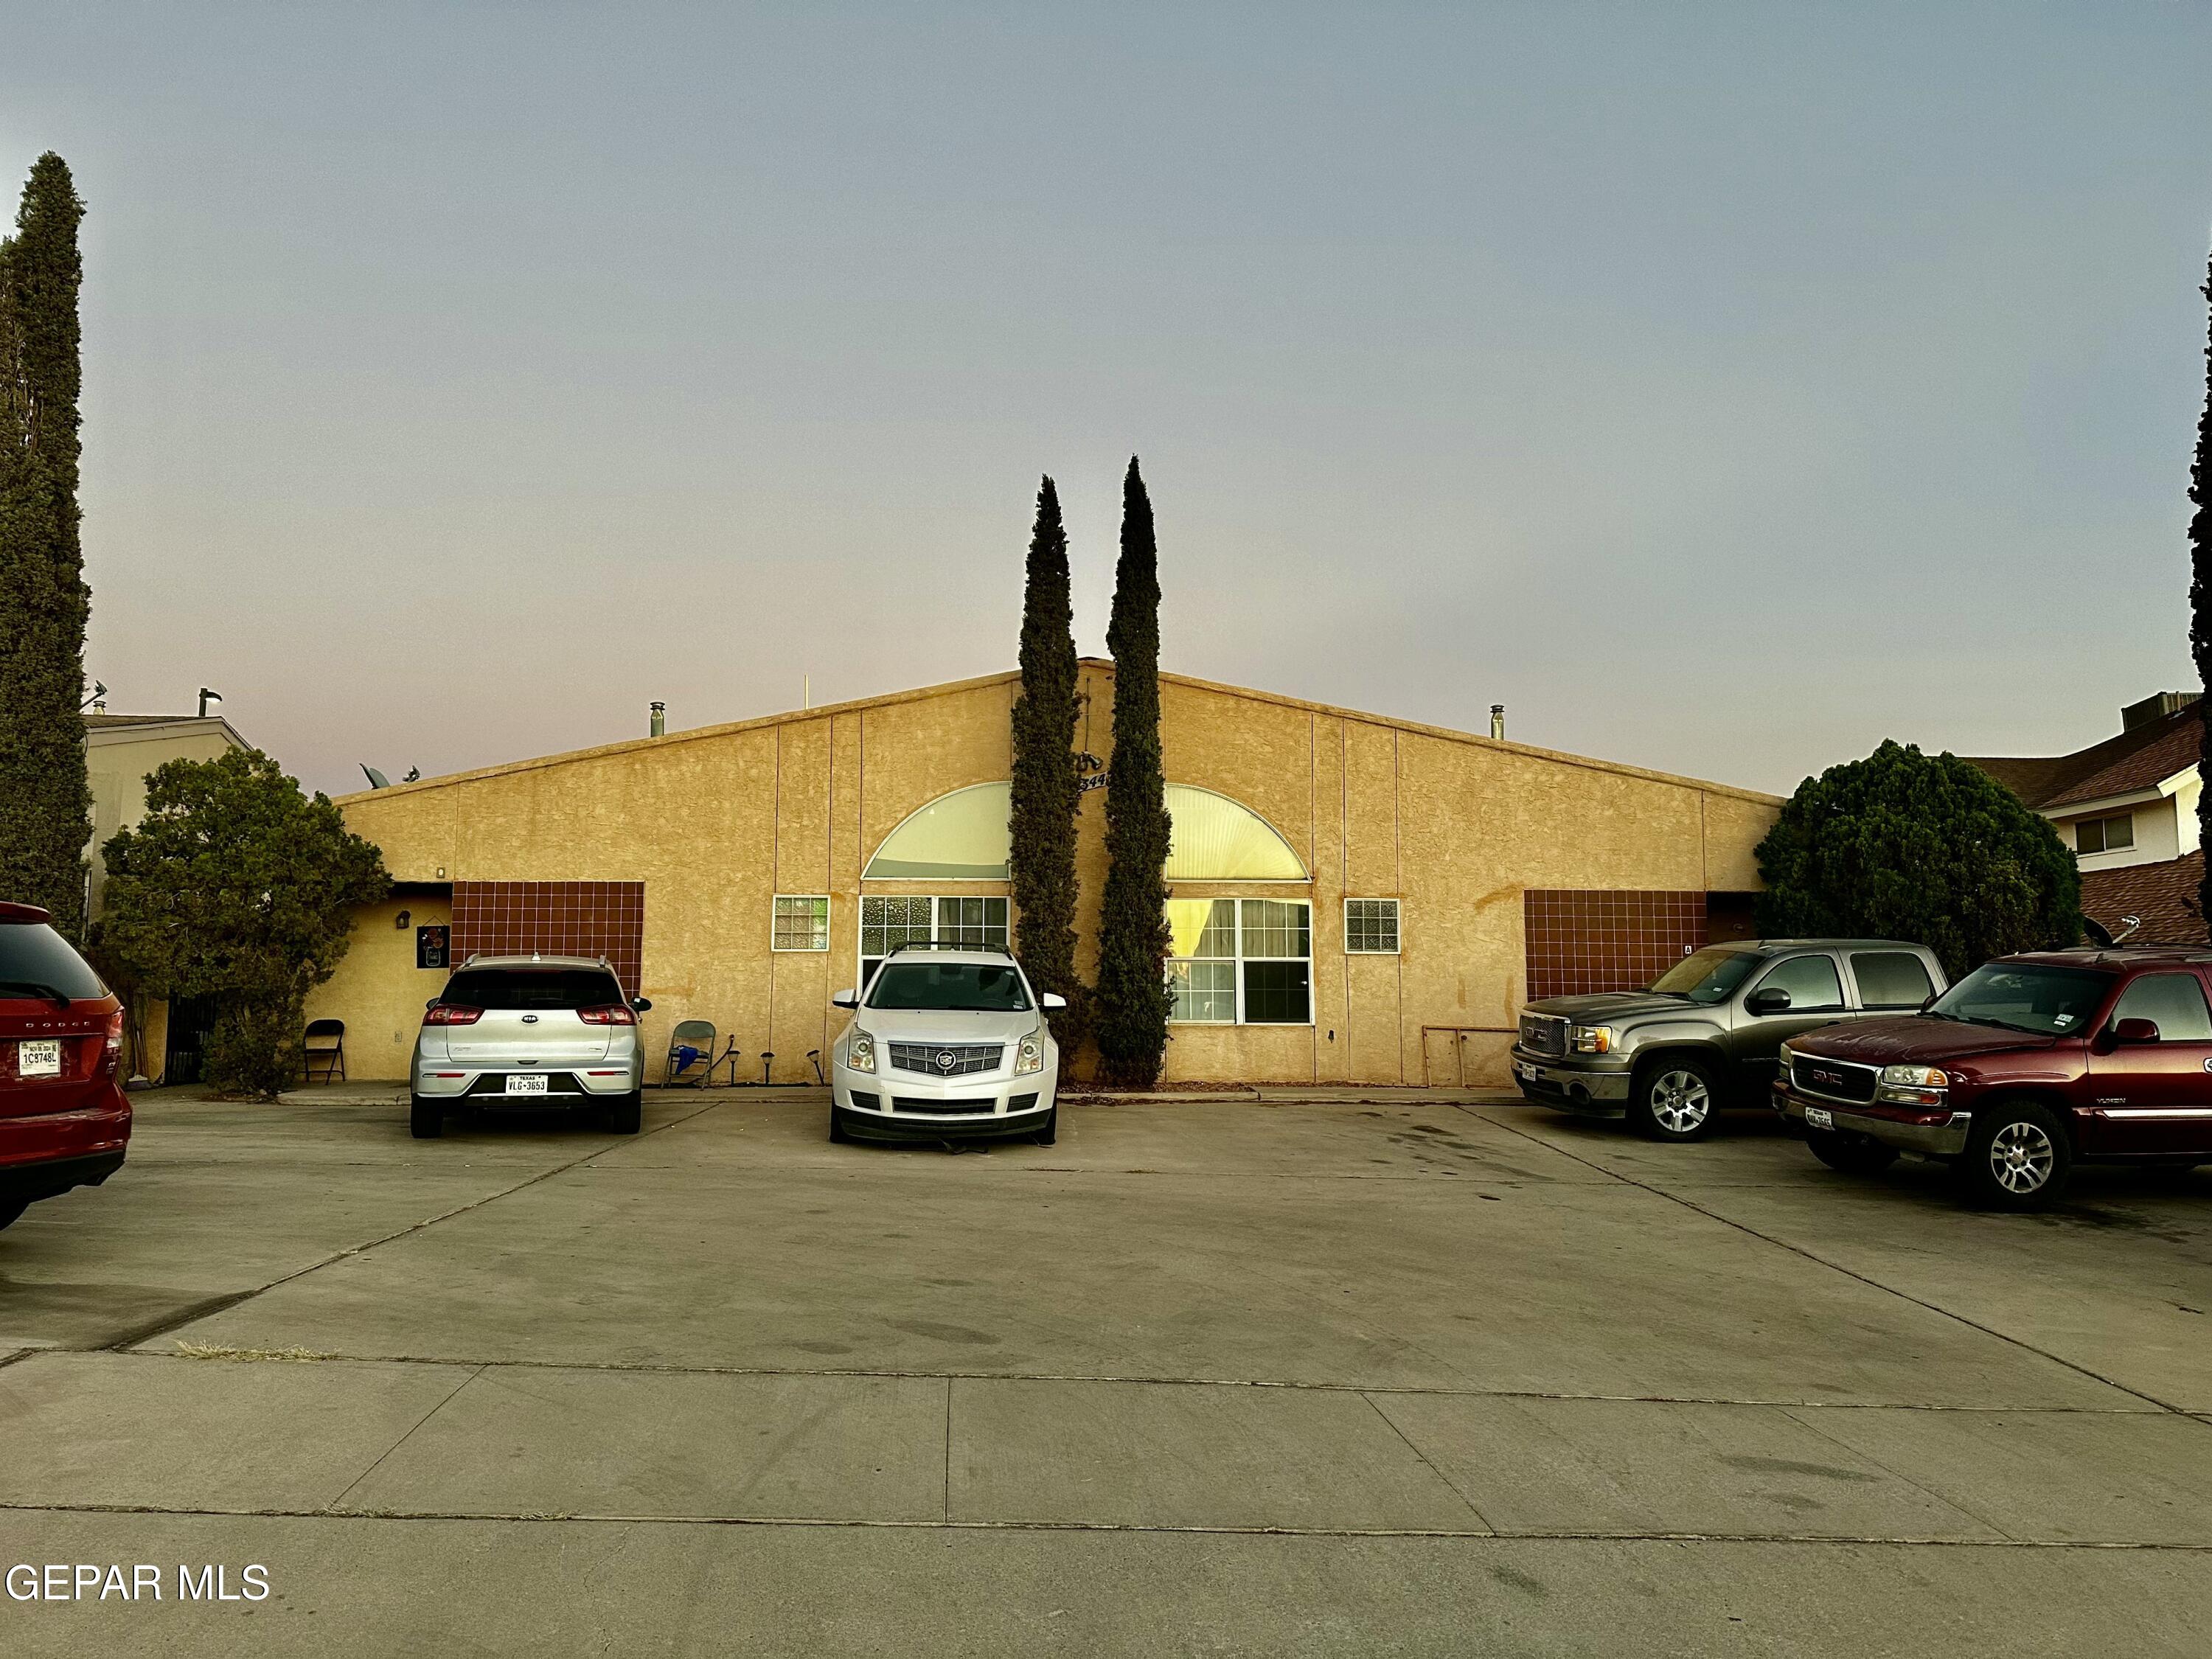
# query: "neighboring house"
[[2130, 800], [2128, 808], [120, 750]]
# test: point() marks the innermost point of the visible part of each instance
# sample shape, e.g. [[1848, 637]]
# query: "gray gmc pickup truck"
[[1708, 1033]]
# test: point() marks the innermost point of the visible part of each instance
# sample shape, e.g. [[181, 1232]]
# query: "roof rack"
[[947, 945]]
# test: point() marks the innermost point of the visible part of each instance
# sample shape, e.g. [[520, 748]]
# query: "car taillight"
[[110, 1051], [449, 1013], [614, 1013]]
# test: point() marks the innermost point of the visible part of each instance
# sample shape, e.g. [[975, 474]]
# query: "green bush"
[[236, 886], [1927, 848]]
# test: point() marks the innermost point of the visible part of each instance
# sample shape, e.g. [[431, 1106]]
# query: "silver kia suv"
[[540, 1032], [948, 1042]]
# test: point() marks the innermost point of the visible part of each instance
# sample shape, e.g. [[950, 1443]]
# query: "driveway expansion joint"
[[1510, 1535]]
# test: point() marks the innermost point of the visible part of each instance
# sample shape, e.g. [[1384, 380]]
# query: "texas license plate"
[[38, 1058], [1819, 1117], [526, 1086]]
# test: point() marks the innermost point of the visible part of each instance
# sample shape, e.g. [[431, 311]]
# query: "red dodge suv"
[[2026, 1066], [63, 1119]]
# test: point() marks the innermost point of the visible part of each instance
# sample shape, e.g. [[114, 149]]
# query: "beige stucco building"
[[1354, 898]]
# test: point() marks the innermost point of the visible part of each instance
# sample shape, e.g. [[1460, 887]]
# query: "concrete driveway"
[[1410, 1375]]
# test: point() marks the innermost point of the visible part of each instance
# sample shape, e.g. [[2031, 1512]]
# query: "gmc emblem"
[[1835, 1078]]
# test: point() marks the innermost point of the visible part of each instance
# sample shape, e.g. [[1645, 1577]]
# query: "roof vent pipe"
[[660, 720], [1498, 720]]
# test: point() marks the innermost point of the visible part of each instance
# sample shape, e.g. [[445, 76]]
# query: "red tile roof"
[[2164, 895]]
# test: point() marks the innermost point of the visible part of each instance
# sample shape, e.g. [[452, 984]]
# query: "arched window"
[[1214, 838], [961, 836]]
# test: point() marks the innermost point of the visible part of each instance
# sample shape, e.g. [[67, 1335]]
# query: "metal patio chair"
[[691, 1055], [325, 1045]]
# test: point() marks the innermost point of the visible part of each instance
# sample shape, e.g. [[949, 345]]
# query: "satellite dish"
[[2098, 936], [376, 779]]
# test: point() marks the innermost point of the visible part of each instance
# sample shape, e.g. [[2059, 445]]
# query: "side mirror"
[[642, 1004], [1928, 1001], [2135, 1030], [429, 1006], [1052, 999], [1771, 1000], [847, 998]]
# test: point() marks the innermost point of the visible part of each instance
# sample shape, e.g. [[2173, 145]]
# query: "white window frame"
[[938, 926], [776, 915], [2103, 821], [1397, 928], [1238, 962]]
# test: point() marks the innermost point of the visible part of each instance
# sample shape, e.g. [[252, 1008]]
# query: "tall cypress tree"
[[1133, 928], [45, 803], [1042, 823], [2200, 599]]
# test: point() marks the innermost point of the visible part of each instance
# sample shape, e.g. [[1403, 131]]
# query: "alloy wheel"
[[2022, 1157], [1679, 1102]]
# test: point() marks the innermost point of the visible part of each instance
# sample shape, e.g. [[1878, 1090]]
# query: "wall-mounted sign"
[[431, 946]]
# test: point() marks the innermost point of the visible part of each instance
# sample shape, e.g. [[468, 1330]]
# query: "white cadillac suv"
[[947, 1042]]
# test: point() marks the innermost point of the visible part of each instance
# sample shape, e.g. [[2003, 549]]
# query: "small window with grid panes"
[[802, 922], [1370, 927]]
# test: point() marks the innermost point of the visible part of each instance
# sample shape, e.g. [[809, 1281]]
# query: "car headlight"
[[1591, 1039], [1915, 1076], [1913, 1086], [1029, 1055], [860, 1052]]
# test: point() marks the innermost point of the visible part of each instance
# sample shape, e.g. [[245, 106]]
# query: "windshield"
[[498, 989], [2025, 997], [979, 987], [1708, 977], [36, 960]]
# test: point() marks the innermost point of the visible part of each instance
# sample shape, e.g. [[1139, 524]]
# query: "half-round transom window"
[[1214, 838], [961, 836]]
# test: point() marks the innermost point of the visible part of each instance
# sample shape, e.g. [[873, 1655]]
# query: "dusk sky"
[[1724, 389]]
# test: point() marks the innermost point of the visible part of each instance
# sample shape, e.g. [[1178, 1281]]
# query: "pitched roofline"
[[691, 734], [1449, 734], [860, 705], [2055, 775]]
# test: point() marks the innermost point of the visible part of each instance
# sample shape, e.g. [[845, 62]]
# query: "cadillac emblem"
[[946, 1060]]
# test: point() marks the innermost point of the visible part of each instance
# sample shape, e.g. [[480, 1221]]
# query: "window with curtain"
[[1240, 962], [1202, 968]]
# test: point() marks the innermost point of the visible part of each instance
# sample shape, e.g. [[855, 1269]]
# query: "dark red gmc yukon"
[[63, 1119], [2026, 1066]]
